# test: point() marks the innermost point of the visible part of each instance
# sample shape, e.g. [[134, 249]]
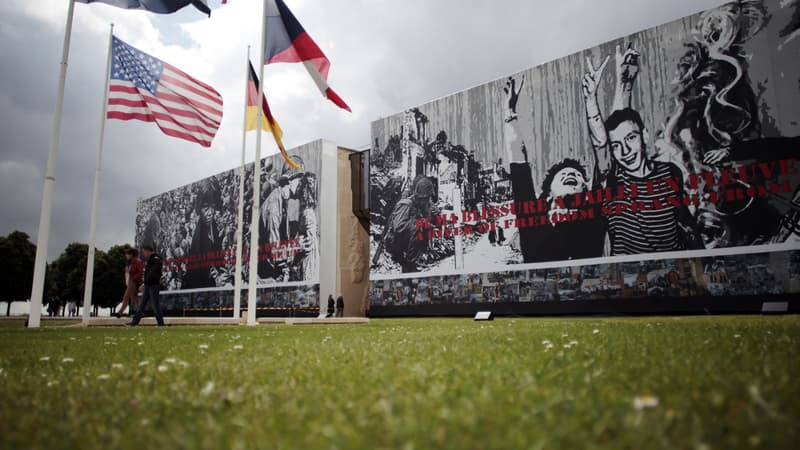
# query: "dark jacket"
[[152, 270], [340, 303], [562, 241]]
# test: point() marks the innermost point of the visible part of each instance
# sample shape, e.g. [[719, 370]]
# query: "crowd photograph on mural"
[[517, 225]]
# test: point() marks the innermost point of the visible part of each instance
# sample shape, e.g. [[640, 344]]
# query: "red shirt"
[[136, 270]]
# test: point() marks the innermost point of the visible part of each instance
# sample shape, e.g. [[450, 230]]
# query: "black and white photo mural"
[[680, 141], [194, 227]]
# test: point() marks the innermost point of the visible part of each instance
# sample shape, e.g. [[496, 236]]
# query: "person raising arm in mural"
[[627, 65], [650, 217], [570, 233]]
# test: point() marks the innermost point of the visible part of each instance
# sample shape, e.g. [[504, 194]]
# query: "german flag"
[[268, 122]]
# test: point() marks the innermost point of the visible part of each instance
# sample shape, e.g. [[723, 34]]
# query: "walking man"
[[330, 306], [340, 306], [152, 286]]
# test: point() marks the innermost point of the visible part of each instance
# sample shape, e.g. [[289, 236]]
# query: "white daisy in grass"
[[238, 347], [67, 360], [144, 363], [162, 368], [644, 402], [117, 366], [170, 360], [103, 376], [203, 346], [207, 389], [595, 331], [44, 358]]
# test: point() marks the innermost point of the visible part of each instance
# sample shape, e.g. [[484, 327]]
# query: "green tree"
[[69, 271], [109, 285], [50, 286], [66, 276], [17, 255]]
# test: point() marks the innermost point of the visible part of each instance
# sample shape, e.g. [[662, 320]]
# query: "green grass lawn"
[[677, 382]]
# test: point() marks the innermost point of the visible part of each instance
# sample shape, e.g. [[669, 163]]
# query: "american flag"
[[145, 88]]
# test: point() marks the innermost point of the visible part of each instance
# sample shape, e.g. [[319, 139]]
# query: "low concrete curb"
[[185, 321], [175, 321], [313, 320]]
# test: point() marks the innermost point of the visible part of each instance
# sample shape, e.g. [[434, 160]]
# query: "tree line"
[[65, 276]]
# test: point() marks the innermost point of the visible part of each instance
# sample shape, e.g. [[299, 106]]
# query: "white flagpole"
[[87, 288], [237, 294], [43, 237], [252, 284]]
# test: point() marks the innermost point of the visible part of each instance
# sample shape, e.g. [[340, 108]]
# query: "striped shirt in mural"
[[646, 220]]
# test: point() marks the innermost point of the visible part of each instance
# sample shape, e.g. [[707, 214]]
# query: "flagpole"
[[43, 237], [237, 294], [87, 287], [253, 270]]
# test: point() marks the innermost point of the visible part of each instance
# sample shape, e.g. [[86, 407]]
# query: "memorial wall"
[[660, 166]]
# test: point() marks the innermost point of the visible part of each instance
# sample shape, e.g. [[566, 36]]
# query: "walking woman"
[[133, 278]]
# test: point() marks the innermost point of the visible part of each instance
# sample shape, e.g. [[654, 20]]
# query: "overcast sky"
[[386, 56]]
